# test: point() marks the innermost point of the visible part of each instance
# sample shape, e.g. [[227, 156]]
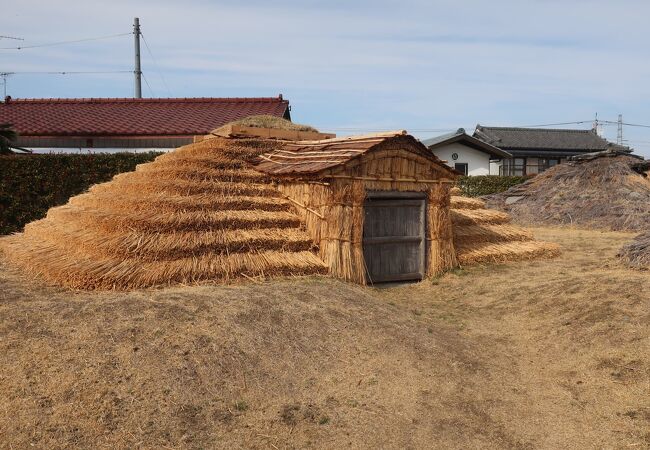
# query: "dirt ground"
[[546, 354]]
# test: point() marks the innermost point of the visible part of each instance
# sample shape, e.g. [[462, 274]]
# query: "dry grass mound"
[[198, 213], [485, 236], [637, 253], [607, 193], [268, 121], [310, 364]]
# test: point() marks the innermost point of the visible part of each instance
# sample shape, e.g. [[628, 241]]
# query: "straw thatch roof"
[[194, 214], [482, 235], [637, 253], [312, 157], [607, 190]]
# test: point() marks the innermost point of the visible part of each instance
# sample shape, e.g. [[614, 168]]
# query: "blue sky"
[[356, 66]]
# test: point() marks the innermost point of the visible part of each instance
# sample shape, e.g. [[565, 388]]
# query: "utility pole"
[[137, 72], [619, 135], [4, 76], [595, 125]]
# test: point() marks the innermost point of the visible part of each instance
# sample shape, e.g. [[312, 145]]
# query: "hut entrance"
[[394, 245]]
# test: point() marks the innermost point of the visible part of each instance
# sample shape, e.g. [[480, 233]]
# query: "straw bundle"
[[508, 251], [608, 191], [466, 202], [482, 235], [198, 213], [637, 253], [333, 214], [442, 254]]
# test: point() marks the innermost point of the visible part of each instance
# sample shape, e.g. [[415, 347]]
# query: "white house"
[[465, 153]]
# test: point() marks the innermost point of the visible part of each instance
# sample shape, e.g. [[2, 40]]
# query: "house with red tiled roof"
[[109, 124]]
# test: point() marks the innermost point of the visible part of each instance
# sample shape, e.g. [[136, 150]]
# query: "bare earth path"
[[546, 354]]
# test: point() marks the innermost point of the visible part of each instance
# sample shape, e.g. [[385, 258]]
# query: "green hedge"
[[487, 184], [32, 184]]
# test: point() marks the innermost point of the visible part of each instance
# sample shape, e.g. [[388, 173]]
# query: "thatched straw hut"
[[376, 205], [607, 190], [365, 209]]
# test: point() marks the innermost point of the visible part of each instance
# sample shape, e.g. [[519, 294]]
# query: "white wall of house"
[[478, 162]]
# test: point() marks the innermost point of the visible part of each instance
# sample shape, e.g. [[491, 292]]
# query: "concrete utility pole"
[[4, 76], [619, 135], [137, 71]]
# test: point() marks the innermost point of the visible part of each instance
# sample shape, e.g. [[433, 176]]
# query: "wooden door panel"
[[393, 239]]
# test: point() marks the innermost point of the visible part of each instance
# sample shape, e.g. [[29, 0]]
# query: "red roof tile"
[[132, 117]]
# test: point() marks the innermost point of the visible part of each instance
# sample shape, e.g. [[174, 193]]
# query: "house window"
[[462, 168], [513, 167], [547, 163]]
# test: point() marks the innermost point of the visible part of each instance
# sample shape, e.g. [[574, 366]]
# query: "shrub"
[[32, 184], [487, 184]]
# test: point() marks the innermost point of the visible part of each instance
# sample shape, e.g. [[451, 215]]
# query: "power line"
[[51, 44], [441, 130], [627, 124], [380, 129], [155, 63], [148, 85], [579, 122], [71, 72], [12, 37], [4, 75]]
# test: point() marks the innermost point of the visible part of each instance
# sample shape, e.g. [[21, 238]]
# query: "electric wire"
[[66, 72], [51, 44], [148, 85], [578, 122], [155, 63], [627, 124]]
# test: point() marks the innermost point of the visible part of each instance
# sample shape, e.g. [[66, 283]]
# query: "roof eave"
[[475, 143]]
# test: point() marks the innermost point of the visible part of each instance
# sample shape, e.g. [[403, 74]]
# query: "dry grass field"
[[547, 354]]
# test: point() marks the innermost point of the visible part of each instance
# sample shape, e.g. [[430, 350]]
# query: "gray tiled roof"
[[471, 141], [443, 137], [544, 139]]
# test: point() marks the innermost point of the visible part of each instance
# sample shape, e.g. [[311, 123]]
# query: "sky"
[[354, 66]]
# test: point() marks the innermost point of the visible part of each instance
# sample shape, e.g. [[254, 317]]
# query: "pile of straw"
[[637, 253], [198, 213], [608, 191], [268, 121], [483, 235]]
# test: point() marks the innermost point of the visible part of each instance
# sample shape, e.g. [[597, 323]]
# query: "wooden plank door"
[[394, 244]]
